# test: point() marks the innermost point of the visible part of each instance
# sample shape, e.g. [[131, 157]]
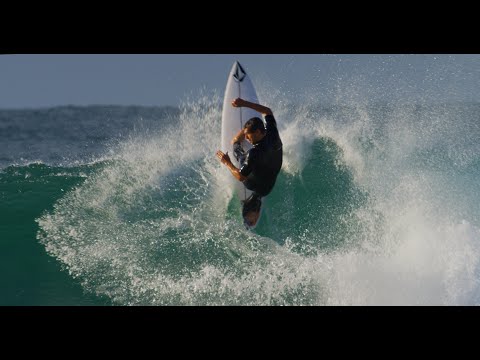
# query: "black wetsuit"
[[263, 161]]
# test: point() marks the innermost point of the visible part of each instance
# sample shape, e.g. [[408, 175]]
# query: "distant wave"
[[68, 134]]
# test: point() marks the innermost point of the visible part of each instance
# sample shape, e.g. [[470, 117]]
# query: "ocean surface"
[[376, 204]]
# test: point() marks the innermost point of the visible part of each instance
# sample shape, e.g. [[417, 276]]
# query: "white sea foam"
[[154, 227]]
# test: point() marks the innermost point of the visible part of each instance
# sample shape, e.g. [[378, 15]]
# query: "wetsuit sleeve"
[[271, 122], [247, 166]]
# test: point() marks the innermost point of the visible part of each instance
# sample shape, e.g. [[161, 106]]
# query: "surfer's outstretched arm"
[[257, 107], [225, 159]]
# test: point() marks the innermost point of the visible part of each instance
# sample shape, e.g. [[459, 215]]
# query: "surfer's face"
[[253, 137]]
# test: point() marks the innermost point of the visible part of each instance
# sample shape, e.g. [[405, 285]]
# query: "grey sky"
[[161, 79]]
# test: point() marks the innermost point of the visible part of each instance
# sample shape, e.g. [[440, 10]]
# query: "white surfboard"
[[239, 85]]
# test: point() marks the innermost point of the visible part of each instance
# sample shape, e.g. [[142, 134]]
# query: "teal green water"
[[314, 200], [29, 275]]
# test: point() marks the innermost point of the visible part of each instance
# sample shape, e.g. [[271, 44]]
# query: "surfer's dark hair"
[[254, 124]]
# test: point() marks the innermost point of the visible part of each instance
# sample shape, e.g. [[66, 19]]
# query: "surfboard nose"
[[238, 72]]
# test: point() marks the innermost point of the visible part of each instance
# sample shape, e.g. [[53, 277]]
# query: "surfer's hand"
[[224, 158], [238, 102]]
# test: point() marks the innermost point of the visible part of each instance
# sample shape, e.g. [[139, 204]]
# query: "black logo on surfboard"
[[239, 73]]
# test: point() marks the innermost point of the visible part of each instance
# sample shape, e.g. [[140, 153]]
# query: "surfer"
[[262, 163]]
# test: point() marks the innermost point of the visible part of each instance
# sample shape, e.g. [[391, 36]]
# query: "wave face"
[[375, 205]]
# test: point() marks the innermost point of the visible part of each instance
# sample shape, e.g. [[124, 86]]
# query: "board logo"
[[239, 73]]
